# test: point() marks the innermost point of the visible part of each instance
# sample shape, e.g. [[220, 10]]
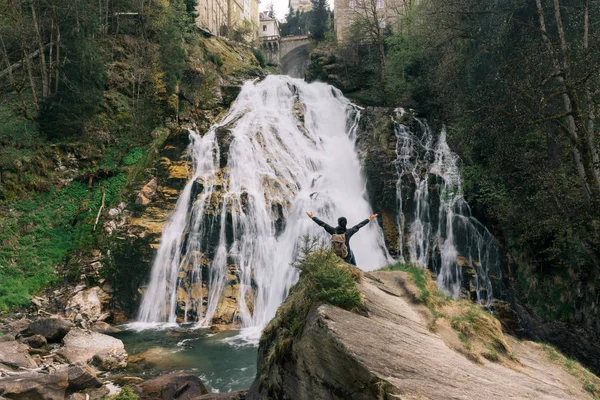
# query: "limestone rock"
[[36, 341], [82, 376], [80, 345], [88, 303], [53, 329], [35, 386], [147, 193], [390, 352], [15, 355], [171, 386]]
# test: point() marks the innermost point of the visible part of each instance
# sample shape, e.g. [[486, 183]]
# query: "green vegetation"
[[531, 164], [479, 332], [317, 22], [324, 278], [89, 117], [589, 381], [516, 84], [125, 394]]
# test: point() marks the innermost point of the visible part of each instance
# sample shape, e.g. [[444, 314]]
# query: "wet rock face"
[[376, 145], [137, 239], [172, 386]]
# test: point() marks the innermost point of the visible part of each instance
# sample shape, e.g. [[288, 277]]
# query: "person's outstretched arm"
[[330, 229], [356, 227]]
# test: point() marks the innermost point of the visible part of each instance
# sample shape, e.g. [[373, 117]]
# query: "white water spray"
[[291, 150], [447, 238]]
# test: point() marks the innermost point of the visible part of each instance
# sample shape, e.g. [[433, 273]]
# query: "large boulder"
[[14, 355], [88, 303], [35, 386], [177, 385], [82, 376], [53, 328], [389, 351], [80, 345]]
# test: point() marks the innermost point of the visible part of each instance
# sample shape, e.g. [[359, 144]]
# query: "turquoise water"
[[223, 363]]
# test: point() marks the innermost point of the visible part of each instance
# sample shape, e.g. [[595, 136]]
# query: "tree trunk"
[[12, 81], [44, 72], [567, 100]]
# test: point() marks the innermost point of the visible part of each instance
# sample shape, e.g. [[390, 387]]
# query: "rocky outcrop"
[[171, 386], [390, 352]]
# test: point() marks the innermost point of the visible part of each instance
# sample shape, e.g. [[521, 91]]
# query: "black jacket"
[[349, 232]]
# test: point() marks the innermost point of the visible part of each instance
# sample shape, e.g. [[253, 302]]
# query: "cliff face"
[[391, 351]]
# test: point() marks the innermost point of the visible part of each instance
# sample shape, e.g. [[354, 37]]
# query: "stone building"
[[348, 11], [302, 5], [224, 17], [269, 37]]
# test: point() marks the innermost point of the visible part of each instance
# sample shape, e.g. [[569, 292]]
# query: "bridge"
[[290, 53]]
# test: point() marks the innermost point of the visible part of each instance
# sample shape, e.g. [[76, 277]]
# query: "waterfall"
[[436, 227], [284, 148]]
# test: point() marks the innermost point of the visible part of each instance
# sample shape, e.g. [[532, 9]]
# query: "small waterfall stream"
[[284, 148], [435, 223]]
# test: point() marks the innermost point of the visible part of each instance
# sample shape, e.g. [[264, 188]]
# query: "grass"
[[479, 332], [39, 232], [589, 381]]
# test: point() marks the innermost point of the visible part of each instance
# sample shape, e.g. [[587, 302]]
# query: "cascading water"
[[284, 148], [435, 222]]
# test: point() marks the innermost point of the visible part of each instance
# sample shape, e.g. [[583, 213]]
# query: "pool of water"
[[220, 360]]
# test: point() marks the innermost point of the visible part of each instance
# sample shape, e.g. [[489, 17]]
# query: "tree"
[[319, 19]]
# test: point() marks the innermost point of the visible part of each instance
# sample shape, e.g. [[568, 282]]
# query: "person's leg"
[[352, 259]]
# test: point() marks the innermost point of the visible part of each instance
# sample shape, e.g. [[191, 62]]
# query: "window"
[[379, 3], [264, 28]]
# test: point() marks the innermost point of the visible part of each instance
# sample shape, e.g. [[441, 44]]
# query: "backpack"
[[338, 244]]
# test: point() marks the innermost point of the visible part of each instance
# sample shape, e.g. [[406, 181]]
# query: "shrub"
[[134, 156], [260, 57], [126, 394]]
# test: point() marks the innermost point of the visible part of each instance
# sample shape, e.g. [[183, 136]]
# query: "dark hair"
[[342, 221]]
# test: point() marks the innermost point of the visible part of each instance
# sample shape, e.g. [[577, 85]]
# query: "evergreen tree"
[[319, 19]]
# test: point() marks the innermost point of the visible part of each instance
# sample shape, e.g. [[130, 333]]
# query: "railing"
[[268, 38]]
